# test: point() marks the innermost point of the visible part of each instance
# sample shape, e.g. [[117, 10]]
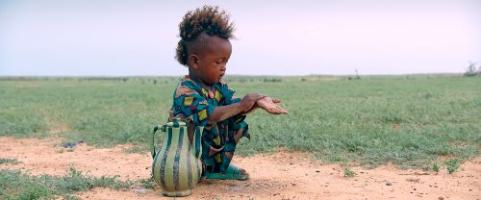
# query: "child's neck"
[[203, 84]]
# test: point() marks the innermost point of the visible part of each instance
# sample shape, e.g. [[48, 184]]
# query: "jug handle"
[[152, 146]]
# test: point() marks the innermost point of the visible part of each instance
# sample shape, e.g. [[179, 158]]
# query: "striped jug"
[[176, 167]]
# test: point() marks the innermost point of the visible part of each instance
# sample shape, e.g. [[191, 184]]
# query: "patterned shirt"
[[194, 104]]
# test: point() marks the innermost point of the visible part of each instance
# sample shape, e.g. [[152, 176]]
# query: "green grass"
[[8, 161], [408, 120], [16, 185]]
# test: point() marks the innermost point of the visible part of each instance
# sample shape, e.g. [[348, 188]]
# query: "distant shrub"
[[355, 77], [273, 80], [471, 70]]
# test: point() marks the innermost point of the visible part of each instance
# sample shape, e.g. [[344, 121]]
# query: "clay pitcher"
[[176, 167]]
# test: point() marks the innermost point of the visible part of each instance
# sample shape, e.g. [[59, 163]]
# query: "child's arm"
[[224, 112]]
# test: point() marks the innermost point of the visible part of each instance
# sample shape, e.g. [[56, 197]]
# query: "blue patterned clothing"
[[194, 104]]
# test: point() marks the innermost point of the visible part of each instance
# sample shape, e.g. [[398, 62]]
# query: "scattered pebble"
[[139, 190], [414, 180], [71, 144]]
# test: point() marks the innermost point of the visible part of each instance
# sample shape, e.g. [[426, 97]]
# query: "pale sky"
[[122, 38]]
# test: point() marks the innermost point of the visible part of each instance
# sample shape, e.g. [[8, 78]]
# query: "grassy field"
[[413, 121]]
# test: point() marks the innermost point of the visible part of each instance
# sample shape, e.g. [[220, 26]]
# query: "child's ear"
[[194, 61]]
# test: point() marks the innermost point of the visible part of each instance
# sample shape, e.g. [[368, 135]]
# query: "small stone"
[[139, 190], [388, 183], [441, 198]]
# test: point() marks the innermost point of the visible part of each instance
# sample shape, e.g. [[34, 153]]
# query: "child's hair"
[[207, 20]]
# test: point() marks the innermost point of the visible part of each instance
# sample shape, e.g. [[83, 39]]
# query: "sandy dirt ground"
[[280, 175]]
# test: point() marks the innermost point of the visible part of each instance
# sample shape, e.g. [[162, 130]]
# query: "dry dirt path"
[[280, 175]]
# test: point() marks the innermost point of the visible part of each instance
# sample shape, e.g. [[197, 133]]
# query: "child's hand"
[[250, 100], [271, 105]]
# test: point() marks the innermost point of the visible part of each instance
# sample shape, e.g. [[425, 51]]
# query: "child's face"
[[210, 64]]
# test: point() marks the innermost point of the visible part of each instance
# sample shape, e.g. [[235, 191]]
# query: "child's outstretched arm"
[[224, 112]]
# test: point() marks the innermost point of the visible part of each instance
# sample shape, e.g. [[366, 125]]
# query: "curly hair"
[[207, 19]]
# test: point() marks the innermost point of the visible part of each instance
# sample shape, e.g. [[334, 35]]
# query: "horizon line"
[[232, 75]]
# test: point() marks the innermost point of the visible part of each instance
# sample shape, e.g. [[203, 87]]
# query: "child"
[[201, 99]]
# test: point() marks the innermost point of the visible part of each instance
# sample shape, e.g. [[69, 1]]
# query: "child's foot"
[[232, 173]]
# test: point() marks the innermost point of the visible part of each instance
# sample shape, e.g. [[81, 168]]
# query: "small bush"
[[349, 173], [436, 167], [148, 183], [452, 165]]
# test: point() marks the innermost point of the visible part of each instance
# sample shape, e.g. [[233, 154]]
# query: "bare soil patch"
[[280, 175]]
